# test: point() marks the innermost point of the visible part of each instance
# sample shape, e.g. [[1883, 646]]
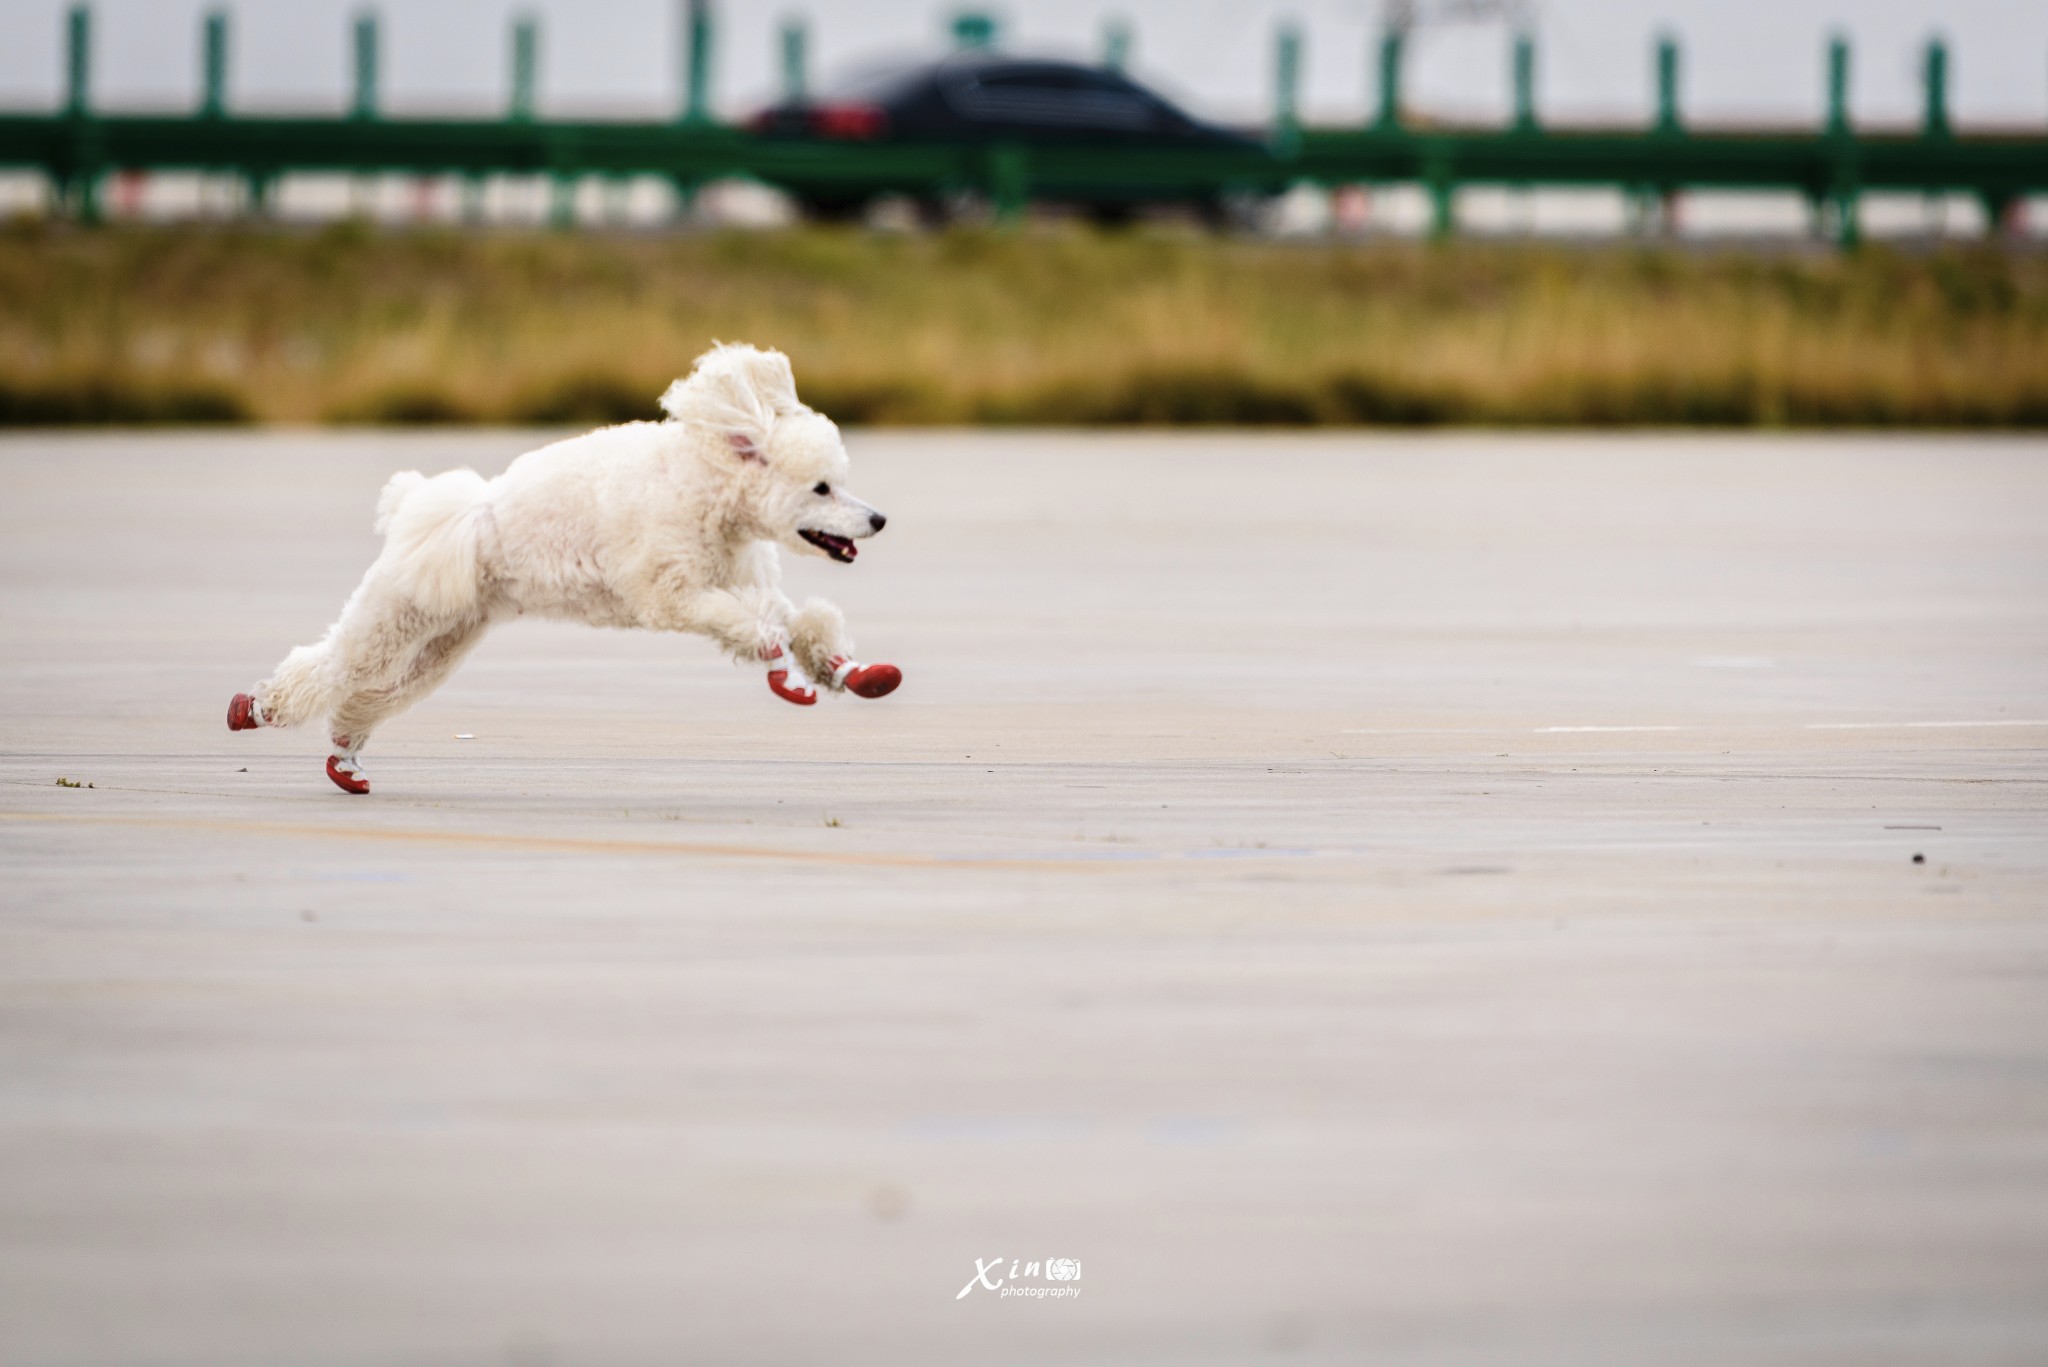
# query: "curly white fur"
[[669, 525]]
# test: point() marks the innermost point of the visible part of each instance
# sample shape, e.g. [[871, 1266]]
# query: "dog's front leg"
[[746, 627], [818, 639], [750, 624], [817, 635]]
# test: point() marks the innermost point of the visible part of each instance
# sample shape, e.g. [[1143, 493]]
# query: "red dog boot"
[[342, 767], [244, 714], [778, 679], [867, 681]]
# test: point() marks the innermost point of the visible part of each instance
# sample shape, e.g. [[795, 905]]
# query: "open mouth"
[[840, 548]]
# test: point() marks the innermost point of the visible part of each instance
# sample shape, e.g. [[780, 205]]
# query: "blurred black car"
[[983, 98]]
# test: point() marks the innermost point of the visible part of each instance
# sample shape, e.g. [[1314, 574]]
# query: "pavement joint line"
[[1059, 861]]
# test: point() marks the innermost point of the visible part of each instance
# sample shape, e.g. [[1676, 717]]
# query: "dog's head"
[[783, 462]]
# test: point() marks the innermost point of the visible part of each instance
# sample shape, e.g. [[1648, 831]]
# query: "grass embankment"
[[1063, 326]]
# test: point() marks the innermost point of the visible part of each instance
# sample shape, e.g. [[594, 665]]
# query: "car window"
[[1030, 78], [1072, 99], [875, 84]]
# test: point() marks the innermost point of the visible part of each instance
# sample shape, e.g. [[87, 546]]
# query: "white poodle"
[[670, 525]]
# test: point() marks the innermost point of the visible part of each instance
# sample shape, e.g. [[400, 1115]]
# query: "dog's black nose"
[[877, 521]]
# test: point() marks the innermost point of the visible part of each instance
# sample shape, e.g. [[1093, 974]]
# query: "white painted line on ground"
[[1893, 725], [1500, 730], [1580, 730], [1561, 730]]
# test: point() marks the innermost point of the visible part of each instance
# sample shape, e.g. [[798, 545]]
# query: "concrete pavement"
[[1438, 899]]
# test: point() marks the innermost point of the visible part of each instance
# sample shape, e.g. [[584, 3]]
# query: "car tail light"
[[848, 121]]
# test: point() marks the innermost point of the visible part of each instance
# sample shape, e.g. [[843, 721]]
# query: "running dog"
[[667, 525]]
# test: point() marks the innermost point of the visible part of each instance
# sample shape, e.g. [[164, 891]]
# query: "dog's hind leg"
[[374, 701], [376, 629], [296, 691], [415, 614]]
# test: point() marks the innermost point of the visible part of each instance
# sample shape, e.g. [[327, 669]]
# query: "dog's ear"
[[765, 375], [739, 391]]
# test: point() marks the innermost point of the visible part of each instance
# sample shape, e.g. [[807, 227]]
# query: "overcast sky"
[[1745, 60]]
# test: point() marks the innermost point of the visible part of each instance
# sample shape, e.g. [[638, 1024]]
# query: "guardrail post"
[[365, 104], [1390, 79], [2001, 213], [1287, 88], [1838, 85], [697, 37], [1443, 198], [1525, 81], [77, 182], [1667, 84], [1009, 175], [1843, 195], [525, 66], [795, 79], [213, 82], [213, 98], [1935, 124], [78, 61], [1116, 44]]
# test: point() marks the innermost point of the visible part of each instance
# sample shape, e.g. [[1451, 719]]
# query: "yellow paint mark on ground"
[[486, 840]]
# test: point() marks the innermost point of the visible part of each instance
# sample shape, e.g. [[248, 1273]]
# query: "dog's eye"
[[821, 488]]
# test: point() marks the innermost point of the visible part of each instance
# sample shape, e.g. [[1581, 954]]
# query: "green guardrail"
[[1831, 166]]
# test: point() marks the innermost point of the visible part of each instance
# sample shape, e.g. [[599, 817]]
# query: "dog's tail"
[[431, 530]]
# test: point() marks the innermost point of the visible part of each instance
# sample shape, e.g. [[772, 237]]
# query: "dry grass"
[[348, 324]]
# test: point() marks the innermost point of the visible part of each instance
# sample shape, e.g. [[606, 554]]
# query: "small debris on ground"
[[1919, 859], [465, 735]]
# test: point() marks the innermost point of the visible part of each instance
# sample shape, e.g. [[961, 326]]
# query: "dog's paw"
[[347, 775], [779, 680], [243, 714], [865, 681]]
